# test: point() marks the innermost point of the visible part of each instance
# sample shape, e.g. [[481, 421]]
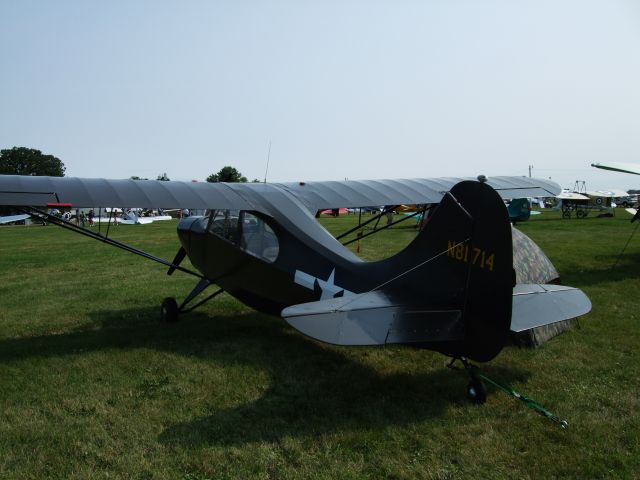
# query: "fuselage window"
[[224, 223], [245, 230], [258, 238]]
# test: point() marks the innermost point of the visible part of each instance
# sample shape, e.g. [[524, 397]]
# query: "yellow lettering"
[[489, 262], [450, 245]]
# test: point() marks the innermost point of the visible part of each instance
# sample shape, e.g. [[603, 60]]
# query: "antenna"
[[268, 157]]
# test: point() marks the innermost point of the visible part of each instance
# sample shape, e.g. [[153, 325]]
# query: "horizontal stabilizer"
[[373, 319], [538, 305]]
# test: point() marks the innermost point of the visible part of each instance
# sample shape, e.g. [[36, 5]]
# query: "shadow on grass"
[[616, 269], [313, 389]]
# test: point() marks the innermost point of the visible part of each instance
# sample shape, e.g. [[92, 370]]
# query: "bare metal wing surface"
[[82, 192], [619, 167]]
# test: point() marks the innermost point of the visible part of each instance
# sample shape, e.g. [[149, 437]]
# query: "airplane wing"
[[92, 192], [619, 167], [82, 192], [373, 318], [364, 193]]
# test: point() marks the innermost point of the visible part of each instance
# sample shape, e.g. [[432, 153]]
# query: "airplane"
[[453, 289], [632, 168], [519, 210], [129, 216]]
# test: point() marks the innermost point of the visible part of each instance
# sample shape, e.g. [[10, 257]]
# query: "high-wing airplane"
[[452, 289], [633, 168]]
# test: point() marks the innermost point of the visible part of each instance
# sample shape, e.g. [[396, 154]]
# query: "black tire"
[[476, 391], [566, 214], [169, 310], [581, 213]]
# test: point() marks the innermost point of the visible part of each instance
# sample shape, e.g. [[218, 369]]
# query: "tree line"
[[29, 161]]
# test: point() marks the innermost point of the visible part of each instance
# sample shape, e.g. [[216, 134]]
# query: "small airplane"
[[453, 289], [632, 168], [519, 210]]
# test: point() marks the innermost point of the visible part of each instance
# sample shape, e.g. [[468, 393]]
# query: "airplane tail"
[[463, 260], [450, 289]]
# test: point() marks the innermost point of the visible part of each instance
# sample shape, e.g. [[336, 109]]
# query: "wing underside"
[[82, 192], [619, 167]]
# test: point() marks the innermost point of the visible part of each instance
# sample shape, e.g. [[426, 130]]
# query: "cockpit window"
[[245, 230], [258, 238], [224, 223]]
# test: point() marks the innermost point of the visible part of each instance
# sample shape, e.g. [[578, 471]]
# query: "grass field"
[[93, 386]]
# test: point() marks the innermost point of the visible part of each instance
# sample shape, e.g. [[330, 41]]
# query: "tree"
[[29, 161], [227, 174], [136, 177], [163, 177]]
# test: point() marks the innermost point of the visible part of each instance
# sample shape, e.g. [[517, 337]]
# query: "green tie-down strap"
[[532, 404]]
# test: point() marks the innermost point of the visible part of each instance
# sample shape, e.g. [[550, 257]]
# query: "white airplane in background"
[[633, 168]]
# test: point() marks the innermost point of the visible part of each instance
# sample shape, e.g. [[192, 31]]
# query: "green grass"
[[93, 386]]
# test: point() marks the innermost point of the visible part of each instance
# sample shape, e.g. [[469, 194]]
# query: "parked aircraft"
[[633, 168], [519, 210], [452, 289]]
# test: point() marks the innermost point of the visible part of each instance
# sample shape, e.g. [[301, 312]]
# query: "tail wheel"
[[477, 391], [169, 310]]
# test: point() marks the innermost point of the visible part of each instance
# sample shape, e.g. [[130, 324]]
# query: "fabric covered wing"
[[85, 192], [364, 193], [91, 192], [619, 167]]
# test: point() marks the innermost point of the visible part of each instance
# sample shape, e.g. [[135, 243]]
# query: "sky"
[[338, 89]]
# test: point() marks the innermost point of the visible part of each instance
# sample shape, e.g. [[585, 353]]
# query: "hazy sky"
[[342, 89]]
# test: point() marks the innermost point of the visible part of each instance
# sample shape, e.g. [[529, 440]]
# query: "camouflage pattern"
[[530, 262], [533, 266]]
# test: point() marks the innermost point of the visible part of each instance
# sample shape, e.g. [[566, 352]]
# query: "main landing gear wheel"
[[169, 310], [477, 391]]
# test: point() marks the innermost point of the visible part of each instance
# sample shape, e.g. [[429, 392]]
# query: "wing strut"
[[105, 239]]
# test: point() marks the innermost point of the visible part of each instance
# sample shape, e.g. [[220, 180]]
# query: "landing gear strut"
[[169, 310]]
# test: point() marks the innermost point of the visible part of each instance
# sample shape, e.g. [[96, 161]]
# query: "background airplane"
[[632, 168]]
